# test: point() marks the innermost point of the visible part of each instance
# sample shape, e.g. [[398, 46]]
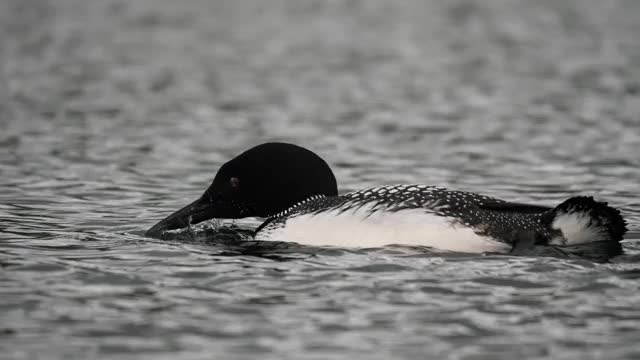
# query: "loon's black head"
[[261, 182]]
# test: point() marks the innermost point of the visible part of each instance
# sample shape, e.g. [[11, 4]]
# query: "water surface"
[[115, 113]]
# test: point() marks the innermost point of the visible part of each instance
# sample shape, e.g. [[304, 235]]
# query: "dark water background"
[[114, 113]]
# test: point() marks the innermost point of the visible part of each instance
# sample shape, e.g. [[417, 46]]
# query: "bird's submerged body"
[[299, 198], [430, 216], [405, 215], [361, 228]]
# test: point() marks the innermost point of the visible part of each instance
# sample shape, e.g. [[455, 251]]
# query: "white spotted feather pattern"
[[402, 214]]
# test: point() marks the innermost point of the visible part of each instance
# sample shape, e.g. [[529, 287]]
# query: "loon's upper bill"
[[296, 191]]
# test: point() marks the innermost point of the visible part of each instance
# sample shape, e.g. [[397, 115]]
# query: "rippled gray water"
[[115, 113]]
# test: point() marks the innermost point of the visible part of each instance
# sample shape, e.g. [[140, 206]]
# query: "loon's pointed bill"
[[296, 191], [198, 211]]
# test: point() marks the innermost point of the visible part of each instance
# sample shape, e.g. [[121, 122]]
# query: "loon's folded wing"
[[504, 206]]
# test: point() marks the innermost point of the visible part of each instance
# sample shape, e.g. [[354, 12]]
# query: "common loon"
[[296, 191]]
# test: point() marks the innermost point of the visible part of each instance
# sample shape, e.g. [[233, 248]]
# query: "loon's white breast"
[[416, 215], [362, 227]]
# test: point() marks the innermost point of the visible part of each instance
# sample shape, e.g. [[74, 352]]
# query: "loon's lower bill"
[[296, 191]]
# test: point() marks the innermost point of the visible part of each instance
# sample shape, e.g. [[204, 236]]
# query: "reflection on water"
[[115, 113]]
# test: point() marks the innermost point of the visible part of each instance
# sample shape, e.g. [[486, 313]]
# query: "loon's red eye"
[[234, 182]]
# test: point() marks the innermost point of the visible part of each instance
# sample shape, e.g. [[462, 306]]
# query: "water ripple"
[[114, 113]]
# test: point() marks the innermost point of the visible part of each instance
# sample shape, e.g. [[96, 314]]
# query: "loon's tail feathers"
[[587, 228]]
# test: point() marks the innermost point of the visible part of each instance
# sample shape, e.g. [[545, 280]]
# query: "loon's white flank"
[[360, 227]]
